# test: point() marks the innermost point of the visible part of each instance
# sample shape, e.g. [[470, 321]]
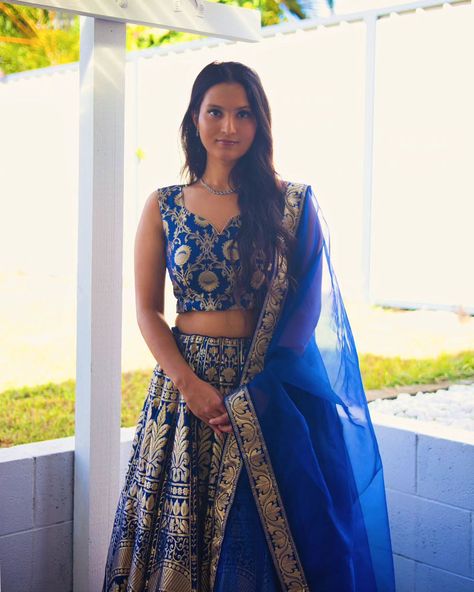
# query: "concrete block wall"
[[429, 479], [36, 513], [36, 497]]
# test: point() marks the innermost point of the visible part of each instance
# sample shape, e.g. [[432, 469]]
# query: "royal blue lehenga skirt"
[[162, 537]]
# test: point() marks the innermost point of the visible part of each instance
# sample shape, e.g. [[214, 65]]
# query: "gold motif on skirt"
[[165, 520]]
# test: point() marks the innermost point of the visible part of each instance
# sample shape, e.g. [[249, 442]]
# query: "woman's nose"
[[228, 124]]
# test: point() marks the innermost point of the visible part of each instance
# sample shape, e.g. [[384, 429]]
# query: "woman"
[[254, 466]]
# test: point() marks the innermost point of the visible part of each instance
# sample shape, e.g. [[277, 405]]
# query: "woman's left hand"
[[222, 422]]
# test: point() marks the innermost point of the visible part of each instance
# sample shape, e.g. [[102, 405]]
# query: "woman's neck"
[[217, 175]]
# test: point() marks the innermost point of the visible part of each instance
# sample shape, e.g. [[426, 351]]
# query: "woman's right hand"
[[205, 402]]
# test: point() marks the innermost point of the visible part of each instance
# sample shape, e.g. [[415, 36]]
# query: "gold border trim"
[[294, 199], [231, 463], [265, 491]]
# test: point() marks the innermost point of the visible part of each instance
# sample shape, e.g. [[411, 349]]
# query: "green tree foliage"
[[36, 38], [271, 10]]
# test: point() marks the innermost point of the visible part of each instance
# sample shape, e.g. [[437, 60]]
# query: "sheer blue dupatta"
[[302, 430]]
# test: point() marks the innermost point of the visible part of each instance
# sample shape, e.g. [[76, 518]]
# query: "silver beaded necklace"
[[214, 191]]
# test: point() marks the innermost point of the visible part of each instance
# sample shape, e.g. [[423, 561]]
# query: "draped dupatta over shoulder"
[[302, 429]]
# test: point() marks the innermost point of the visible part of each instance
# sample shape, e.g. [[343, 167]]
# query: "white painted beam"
[[361, 15], [214, 20], [99, 296]]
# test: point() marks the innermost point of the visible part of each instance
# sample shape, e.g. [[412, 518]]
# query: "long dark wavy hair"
[[261, 192]]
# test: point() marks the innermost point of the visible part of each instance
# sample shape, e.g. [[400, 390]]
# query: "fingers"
[[221, 430], [219, 419], [224, 426], [220, 424]]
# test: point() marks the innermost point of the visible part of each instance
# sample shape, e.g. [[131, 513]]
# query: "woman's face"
[[226, 122]]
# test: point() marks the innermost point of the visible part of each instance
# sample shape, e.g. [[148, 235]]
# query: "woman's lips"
[[227, 142]]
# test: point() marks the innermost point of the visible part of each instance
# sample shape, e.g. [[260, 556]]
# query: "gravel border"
[[413, 389]]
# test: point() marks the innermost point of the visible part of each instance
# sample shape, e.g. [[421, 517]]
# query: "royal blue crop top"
[[199, 259]]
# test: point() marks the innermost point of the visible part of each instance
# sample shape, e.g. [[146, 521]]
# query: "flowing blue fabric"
[[311, 412]]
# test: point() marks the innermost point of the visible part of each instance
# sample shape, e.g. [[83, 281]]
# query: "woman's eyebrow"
[[236, 109]]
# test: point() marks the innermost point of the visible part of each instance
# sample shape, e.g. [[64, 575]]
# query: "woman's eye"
[[242, 114]]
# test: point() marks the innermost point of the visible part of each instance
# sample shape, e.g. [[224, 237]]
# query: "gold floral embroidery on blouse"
[[203, 264]]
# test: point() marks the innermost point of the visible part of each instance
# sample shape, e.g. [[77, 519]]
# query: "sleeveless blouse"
[[203, 264]]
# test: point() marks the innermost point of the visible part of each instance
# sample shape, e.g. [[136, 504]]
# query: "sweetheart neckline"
[[181, 203]]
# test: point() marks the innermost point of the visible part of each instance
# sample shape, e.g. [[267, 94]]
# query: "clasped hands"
[[206, 402]]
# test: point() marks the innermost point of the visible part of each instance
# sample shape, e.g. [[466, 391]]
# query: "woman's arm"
[[150, 272], [202, 398]]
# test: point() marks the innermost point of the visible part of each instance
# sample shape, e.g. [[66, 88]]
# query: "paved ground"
[[37, 342]]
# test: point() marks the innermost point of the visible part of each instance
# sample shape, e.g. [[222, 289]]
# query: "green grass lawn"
[[44, 412]]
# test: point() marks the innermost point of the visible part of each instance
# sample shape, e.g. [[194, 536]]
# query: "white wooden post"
[[99, 296]]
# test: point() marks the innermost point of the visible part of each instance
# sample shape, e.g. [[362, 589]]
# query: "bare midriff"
[[218, 323]]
